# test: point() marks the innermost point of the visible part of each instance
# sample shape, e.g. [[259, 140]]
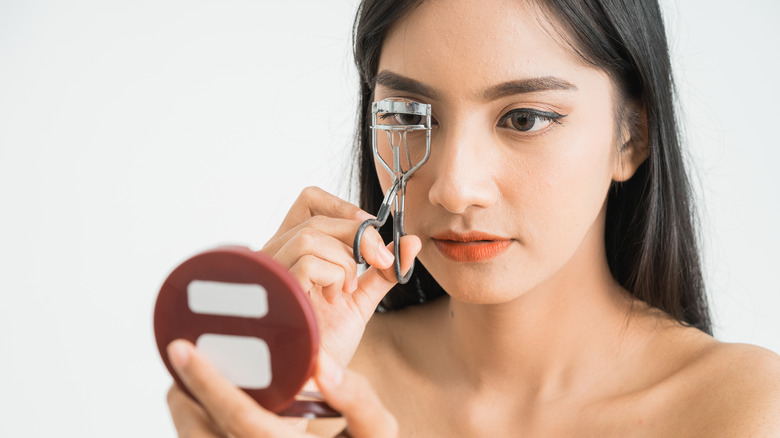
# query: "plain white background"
[[136, 133]]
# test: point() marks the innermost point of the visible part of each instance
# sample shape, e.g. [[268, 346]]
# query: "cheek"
[[384, 178], [561, 190]]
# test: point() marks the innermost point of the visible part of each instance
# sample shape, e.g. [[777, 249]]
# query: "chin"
[[500, 279], [479, 283]]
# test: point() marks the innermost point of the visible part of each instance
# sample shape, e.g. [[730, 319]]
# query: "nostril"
[[457, 190]]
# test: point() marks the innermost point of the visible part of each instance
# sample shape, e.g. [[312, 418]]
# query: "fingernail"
[[386, 256], [364, 215], [331, 373], [354, 285], [179, 353]]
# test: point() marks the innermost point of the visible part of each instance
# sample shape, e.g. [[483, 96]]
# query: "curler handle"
[[398, 232]]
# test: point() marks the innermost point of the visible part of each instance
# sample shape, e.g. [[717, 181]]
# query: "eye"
[[529, 120], [401, 119]]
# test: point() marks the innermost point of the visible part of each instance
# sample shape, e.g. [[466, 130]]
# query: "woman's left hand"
[[225, 410]]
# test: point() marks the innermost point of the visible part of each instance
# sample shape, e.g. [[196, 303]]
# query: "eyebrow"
[[398, 82], [529, 85]]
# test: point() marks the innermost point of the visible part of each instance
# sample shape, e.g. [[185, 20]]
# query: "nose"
[[463, 169]]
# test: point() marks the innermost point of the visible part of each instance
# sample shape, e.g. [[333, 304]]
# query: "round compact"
[[249, 317]]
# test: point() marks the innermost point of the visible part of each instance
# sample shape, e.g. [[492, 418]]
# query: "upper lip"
[[468, 236]]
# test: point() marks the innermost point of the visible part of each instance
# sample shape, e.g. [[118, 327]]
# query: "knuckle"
[[343, 207], [300, 276], [310, 192], [307, 263], [319, 221], [307, 237], [344, 259]]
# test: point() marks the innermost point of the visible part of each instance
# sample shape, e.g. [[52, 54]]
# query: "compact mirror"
[[249, 317]]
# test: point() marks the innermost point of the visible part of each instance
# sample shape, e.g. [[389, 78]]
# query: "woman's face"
[[523, 152]]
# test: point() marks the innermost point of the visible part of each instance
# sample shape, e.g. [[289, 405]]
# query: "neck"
[[562, 337]]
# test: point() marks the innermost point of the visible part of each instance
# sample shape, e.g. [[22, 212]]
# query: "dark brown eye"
[[408, 119], [523, 122], [527, 120]]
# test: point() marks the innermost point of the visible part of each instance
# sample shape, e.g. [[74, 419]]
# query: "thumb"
[[351, 394], [374, 284]]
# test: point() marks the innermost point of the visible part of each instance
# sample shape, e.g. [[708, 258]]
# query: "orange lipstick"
[[470, 247]]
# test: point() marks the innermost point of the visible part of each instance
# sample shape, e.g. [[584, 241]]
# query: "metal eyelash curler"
[[403, 121]]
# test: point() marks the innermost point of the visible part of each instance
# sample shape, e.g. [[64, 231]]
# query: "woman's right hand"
[[315, 243]]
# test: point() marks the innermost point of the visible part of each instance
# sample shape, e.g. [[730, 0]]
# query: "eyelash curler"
[[403, 121]]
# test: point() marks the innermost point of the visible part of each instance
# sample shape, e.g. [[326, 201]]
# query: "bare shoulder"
[[739, 388], [694, 385]]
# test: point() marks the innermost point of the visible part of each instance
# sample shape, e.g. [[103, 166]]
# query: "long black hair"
[[650, 232]]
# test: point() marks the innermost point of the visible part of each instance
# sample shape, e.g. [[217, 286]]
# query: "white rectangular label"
[[245, 361], [228, 299]]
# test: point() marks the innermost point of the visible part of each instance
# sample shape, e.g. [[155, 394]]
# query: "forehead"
[[469, 45]]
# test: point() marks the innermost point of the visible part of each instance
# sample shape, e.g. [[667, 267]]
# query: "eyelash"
[[537, 116], [387, 116]]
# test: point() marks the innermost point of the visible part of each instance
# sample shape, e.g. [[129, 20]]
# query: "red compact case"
[[247, 315]]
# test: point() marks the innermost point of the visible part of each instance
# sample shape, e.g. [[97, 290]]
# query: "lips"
[[470, 247]]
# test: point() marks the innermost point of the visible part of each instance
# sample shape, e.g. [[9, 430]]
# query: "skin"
[[539, 340]]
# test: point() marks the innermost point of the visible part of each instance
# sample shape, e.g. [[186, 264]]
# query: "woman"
[[558, 282]]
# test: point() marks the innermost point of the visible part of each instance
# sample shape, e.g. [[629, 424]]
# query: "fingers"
[[231, 409], [309, 235], [329, 214], [307, 248], [311, 271], [318, 259], [315, 242], [374, 284], [313, 201], [410, 247], [351, 394]]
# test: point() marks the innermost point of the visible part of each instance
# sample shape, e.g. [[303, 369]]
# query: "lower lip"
[[477, 251]]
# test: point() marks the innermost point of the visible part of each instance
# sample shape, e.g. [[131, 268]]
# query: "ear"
[[633, 146]]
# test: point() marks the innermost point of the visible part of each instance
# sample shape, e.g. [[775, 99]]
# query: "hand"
[[227, 411], [315, 243]]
